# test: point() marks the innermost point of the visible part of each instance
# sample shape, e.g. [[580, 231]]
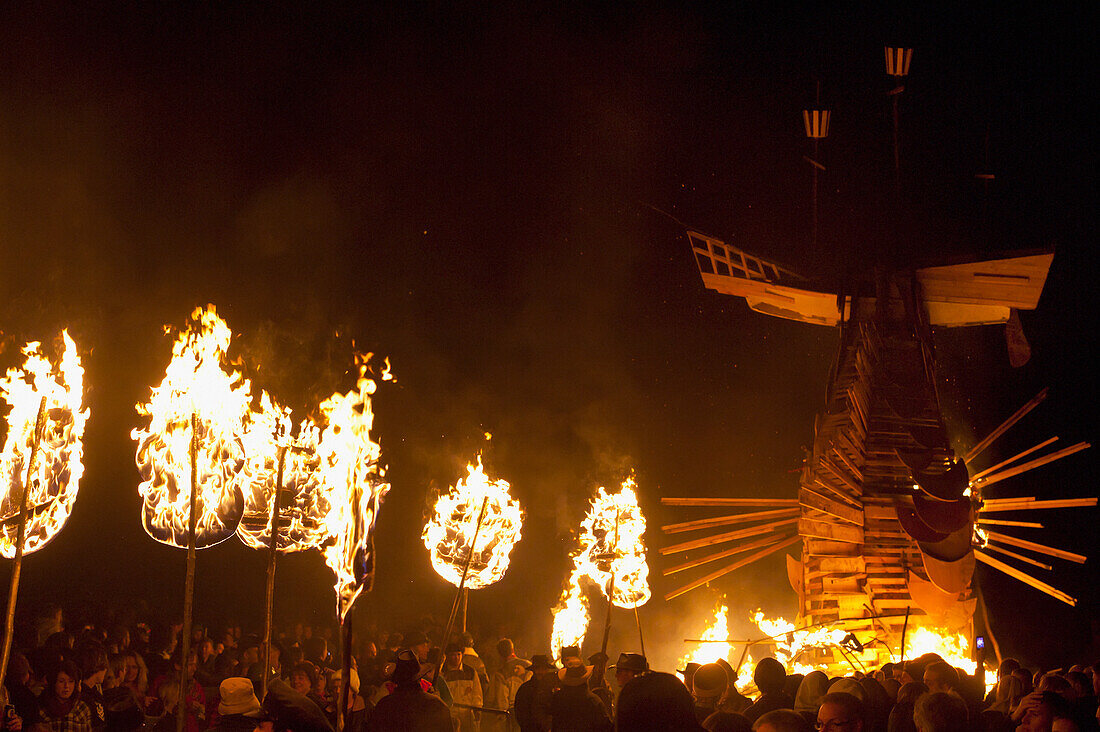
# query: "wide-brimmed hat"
[[689, 669], [541, 661], [238, 697], [568, 652], [710, 680], [405, 668], [575, 673], [631, 662]]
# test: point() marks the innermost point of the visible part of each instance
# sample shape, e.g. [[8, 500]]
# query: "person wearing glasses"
[[839, 712]]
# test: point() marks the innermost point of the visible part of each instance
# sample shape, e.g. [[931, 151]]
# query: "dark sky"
[[472, 193]]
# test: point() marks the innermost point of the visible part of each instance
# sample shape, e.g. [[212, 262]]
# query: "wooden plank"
[[1032, 464], [1002, 522], [727, 537], [739, 518], [1033, 505], [857, 475], [828, 506], [834, 532], [725, 553], [729, 501], [1024, 577], [1033, 546], [828, 548], [730, 568], [1009, 553], [880, 512], [834, 585], [844, 564], [1004, 426], [1014, 458]]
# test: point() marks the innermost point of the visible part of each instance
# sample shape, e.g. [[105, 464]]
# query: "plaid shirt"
[[79, 719]]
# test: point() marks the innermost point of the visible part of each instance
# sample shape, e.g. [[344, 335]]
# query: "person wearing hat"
[[465, 687], [533, 696], [688, 673], [408, 705], [629, 666], [573, 707], [239, 709]]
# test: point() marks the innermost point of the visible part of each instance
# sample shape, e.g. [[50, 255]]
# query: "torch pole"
[[638, 620], [20, 537], [607, 621], [345, 679], [465, 606], [904, 627], [461, 584], [272, 557], [189, 581]]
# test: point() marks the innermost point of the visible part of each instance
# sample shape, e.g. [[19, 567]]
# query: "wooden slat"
[[739, 518], [1003, 427], [1032, 546], [727, 537], [835, 532], [730, 568], [729, 501], [1008, 552], [1024, 577], [1014, 458], [828, 548], [833, 508], [1033, 505], [725, 553], [1003, 522], [1032, 464]]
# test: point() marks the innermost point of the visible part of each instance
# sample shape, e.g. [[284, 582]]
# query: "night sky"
[[489, 198]]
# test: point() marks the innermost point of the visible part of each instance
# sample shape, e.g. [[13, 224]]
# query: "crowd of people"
[[107, 677]]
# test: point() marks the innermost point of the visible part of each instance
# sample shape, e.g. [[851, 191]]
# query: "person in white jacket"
[[465, 689]]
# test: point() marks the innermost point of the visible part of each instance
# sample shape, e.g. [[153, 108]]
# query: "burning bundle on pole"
[[611, 556], [40, 465], [471, 534]]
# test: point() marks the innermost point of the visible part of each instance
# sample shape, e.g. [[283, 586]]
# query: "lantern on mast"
[[816, 123], [897, 66]]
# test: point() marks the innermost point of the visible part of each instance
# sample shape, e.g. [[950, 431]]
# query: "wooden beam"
[[835, 532], [1001, 522], [1024, 577], [765, 541], [729, 568], [1013, 459], [1032, 546], [1037, 462], [729, 501], [833, 508], [1004, 426], [1015, 555], [767, 528], [739, 518], [1033, 505]]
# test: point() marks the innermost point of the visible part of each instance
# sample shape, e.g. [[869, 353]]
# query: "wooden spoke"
[[1001, 522], [1030, 465], [739, 518], [729, 501], [1032, 546], [1013, 459], [1027, 579], [1030, 504], [729, 568], [726, 553], [1004, 426], [1009, 553], [727, 537]]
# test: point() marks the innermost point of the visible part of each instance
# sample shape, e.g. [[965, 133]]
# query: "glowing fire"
[[450, 531], [57, 468], [354, 482], [611, 545], [952, 648], [791, 642], [717, 631], [198, 382]]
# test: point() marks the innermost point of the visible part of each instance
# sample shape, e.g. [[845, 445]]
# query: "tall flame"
[[611, 545], [354, 484], [198, 382], [953, 648], [57, 468], [449, 534], [717, 631]]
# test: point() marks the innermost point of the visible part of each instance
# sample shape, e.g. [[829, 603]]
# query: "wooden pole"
[[736, 565], [638, 620], [1004, 426], [189, 581], [272, 558], [1032, 546], [1030, 504], [461, 585], [345, 679], [1000, 522], [904, 628], [465, 606], [1009, 553], [1014, 458], [1031, 464], [611, 588], [20, 538], [729, 501], [723, 554], [728, 536], [1025, 578], [739, 518]]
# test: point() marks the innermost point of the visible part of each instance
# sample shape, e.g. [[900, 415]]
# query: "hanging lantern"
[[816, 122], [897, 61]]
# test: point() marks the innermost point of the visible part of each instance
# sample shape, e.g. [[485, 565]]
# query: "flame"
[[953, 648], [354, 479], [57, 465], [450, 531], [717, 631], [791, 642], [199, 382], [611, 545]]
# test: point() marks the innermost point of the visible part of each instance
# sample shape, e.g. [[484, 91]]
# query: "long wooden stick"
[[272, 557], [1032, 464], [985, 617], [189, 581], [736, 565], [461, 585], [1014, 458], [739, 518], [1040, 548], [20, 538], [345, 680], [1025, 578], [1033, 505], [1009, 553], [727, 537], [767, 540], [729, 501], [1002, 522], [1004, 426]]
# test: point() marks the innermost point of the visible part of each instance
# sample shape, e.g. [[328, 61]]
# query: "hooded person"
[[239, 710], [655, 701], [814, 686], [573, 707], [770, 677], [291, 710], [409, 706]]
